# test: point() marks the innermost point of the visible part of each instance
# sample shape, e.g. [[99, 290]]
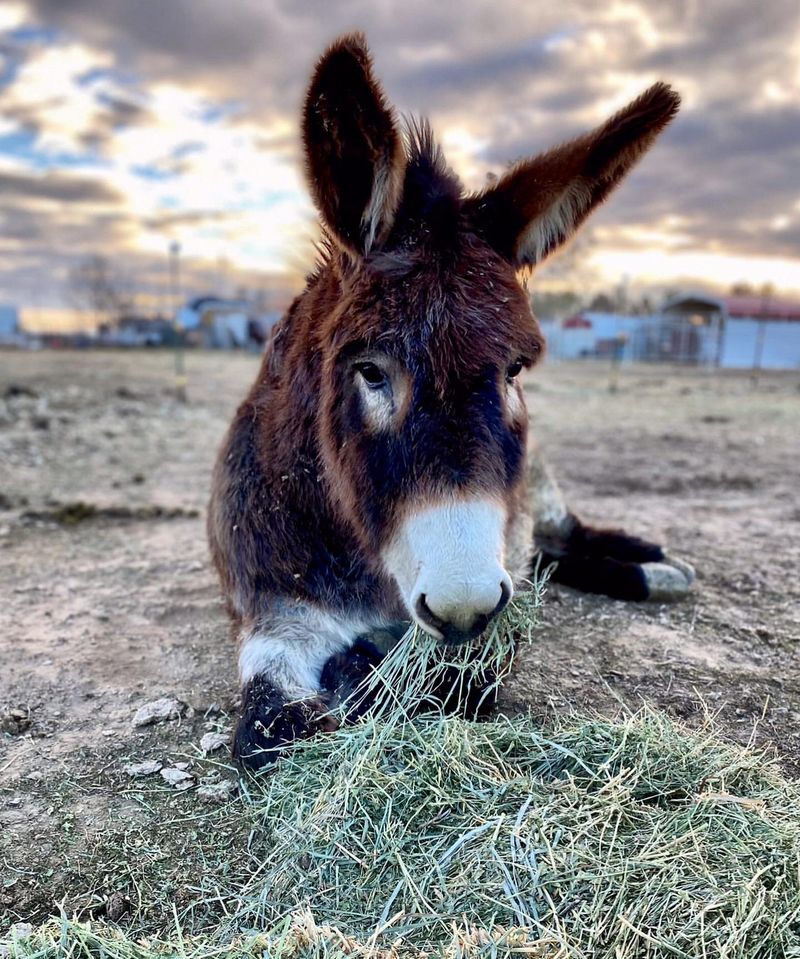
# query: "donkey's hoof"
[[667, 582], [345, 676], [268, 726], [686, 568]]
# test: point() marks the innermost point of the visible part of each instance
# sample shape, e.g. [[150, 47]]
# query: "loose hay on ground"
[[402, 835]]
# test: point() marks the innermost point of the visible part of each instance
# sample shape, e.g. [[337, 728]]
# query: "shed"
[[752, 331]]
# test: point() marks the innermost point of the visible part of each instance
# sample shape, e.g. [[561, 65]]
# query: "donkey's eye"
[[514, 370], [372, 375]]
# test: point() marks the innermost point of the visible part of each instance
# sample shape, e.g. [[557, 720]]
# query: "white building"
[[9, 324], [593, 334], [748, 332], [224, 324]]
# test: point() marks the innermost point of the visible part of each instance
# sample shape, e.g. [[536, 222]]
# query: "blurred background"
[[150, 184]]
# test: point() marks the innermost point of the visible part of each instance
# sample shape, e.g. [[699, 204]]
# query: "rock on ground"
[[178, 778], [147, 768], [158, 711], [211, 742], [216, 792]]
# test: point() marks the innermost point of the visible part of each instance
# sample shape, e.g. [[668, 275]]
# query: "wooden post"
[[761, 330], [175, 295]]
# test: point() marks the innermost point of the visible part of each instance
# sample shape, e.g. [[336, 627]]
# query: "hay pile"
[[404, 836]]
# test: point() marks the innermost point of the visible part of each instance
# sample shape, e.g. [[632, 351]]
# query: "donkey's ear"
[[354, 152], [540, 203]]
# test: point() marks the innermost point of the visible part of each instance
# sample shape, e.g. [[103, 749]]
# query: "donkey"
[[378, 471]]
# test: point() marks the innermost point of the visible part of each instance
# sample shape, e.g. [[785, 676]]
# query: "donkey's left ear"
[[540, 203], [355, 159]]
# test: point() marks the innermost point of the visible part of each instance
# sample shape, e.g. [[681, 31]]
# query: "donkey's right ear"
[[355, 159]]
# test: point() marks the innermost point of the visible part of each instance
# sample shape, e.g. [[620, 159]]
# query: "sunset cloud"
[[126, 126]]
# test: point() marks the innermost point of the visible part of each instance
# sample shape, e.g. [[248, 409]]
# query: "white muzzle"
[[447, 560]]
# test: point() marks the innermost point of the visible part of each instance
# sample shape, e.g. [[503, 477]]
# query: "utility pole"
[[760, 331], [175, 297]]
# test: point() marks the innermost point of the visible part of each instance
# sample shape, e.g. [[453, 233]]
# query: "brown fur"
[[354, 152], [306, 492], [591, 166]]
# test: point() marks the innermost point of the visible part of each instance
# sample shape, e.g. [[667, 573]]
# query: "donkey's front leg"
[[269, 723], [284, 696]]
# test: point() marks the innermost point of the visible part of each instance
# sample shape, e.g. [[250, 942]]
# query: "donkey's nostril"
[[426, 614], [505, 596]]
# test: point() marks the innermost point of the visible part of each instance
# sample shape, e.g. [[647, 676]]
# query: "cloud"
[[46, 98], [179, 120], [58, 187], [13, 14]]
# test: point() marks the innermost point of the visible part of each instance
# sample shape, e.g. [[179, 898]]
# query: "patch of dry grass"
[[406, 835]]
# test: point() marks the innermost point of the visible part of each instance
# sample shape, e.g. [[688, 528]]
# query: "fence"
[[710, 340]]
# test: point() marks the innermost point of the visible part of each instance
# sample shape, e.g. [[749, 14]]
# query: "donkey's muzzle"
[[458, 629], [447, 560]]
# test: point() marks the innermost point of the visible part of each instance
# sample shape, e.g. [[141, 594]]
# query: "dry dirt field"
[[108, 601]]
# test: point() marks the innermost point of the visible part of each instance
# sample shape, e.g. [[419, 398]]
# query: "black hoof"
[[470, 695], [344, 674], [268, 724]]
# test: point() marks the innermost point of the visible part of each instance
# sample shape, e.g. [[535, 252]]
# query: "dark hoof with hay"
[[344, 677], [269, 725]]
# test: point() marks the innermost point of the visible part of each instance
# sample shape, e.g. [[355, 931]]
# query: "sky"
[[128, 125]]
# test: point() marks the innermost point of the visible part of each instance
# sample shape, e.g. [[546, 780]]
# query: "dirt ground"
[[108, 600]]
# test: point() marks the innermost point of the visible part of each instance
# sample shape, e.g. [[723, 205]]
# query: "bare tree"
[[95, 286], [558, 303], [605, 303]]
